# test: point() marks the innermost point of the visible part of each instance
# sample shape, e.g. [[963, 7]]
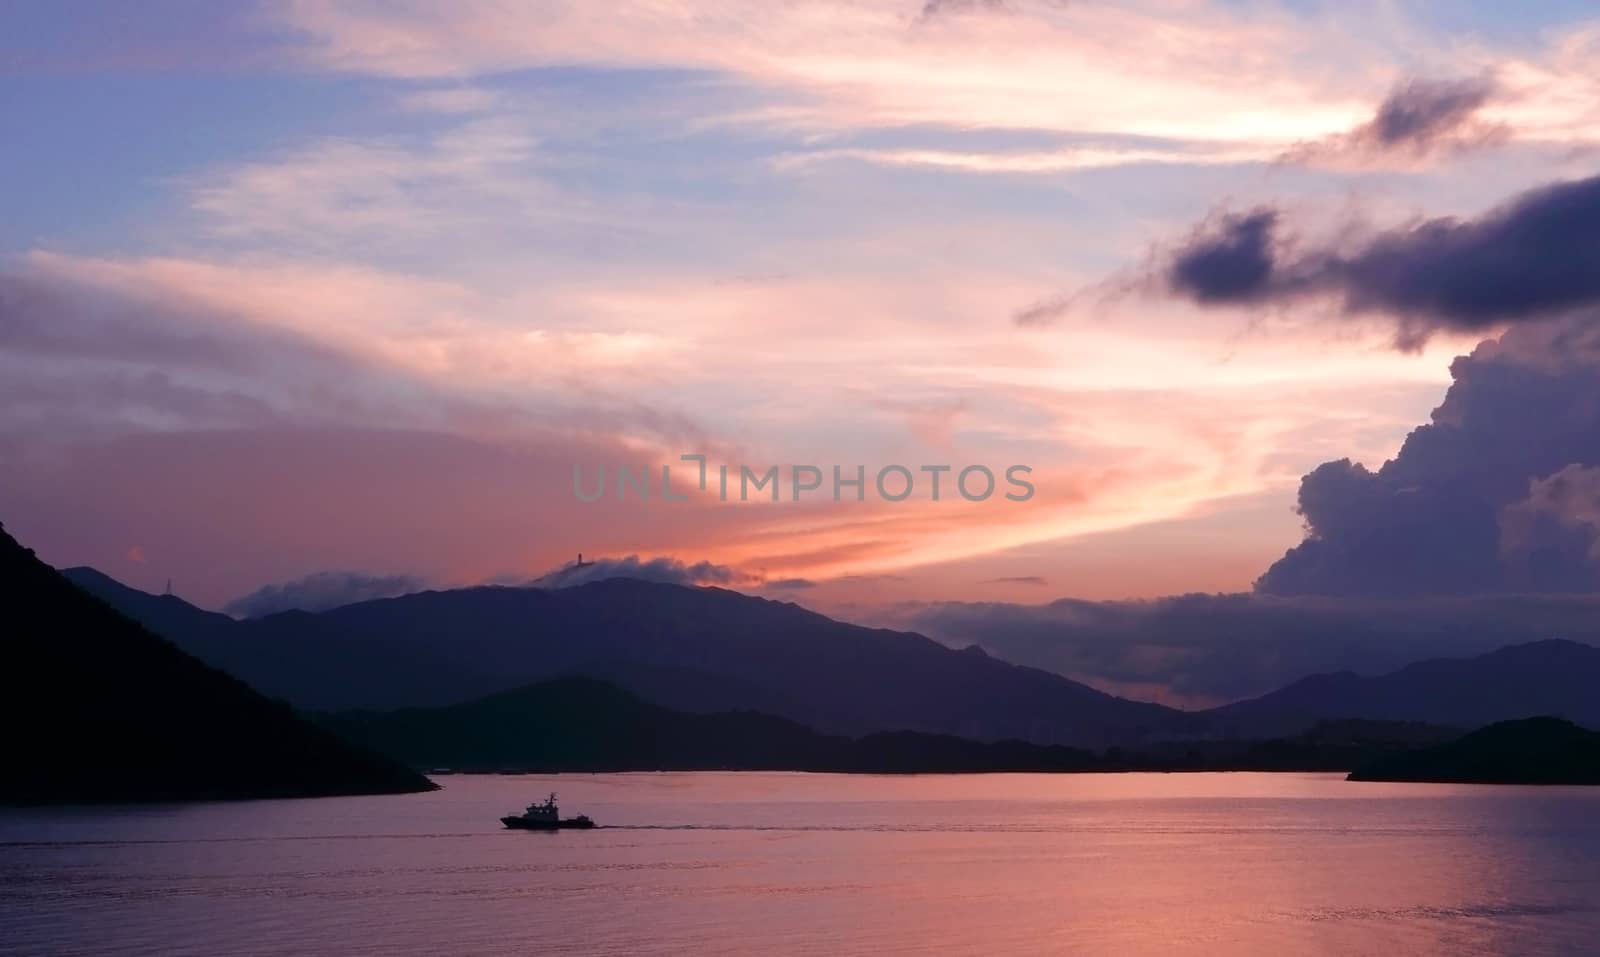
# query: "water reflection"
[[822, 864]]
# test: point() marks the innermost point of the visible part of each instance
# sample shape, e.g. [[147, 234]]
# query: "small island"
[[1527, 751]]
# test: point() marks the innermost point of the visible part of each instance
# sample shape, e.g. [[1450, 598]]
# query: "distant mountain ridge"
[[581, 724], [1550, 677], [100, 709], [681, 647], [707, 649]]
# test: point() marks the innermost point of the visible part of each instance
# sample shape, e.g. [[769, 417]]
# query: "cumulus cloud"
[[661, 569], [1483, 531], [1419, 118], [1533, 257], [1495, 494], [1552, 538], [322, 591]]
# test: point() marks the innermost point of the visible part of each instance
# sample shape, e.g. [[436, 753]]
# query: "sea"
[[743, 863]]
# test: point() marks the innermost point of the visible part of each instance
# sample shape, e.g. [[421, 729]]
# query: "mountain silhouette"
[[709, 649], [1552, 677], [1539, 750], [98, 709], [689, 648], [163, 614], [581, 724]]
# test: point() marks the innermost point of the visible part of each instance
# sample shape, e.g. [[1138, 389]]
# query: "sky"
[[332, 298]]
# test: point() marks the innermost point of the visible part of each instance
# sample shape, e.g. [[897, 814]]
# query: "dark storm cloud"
[[1524, 258], [322, 591], [1207, 649], [1495, 494], [1230, 260], [1421, 112], [1533, 257], [1419, 118], [668, 570]]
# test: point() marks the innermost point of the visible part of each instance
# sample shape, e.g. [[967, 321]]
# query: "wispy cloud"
[[932, 9], [1022, 163], [1043, 65], [661, 568], [451, 99], [1418, 120], [325, 195], [534, 232], [321, 591], [1143, 69], [789, 584]]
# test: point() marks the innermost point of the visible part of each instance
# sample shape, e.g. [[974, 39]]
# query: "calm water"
[[822, 864]]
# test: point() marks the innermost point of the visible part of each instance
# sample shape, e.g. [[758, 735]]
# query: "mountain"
[[98, 709], [162, 614], [1325, 746], [683, 647], [1530, 751], [580, 724], [1540, 678], [707, 649]]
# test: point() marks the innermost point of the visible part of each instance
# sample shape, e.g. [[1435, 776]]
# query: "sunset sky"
[[293, 288]]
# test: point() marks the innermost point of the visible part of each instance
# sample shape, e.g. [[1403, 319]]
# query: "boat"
[[545, 817]]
